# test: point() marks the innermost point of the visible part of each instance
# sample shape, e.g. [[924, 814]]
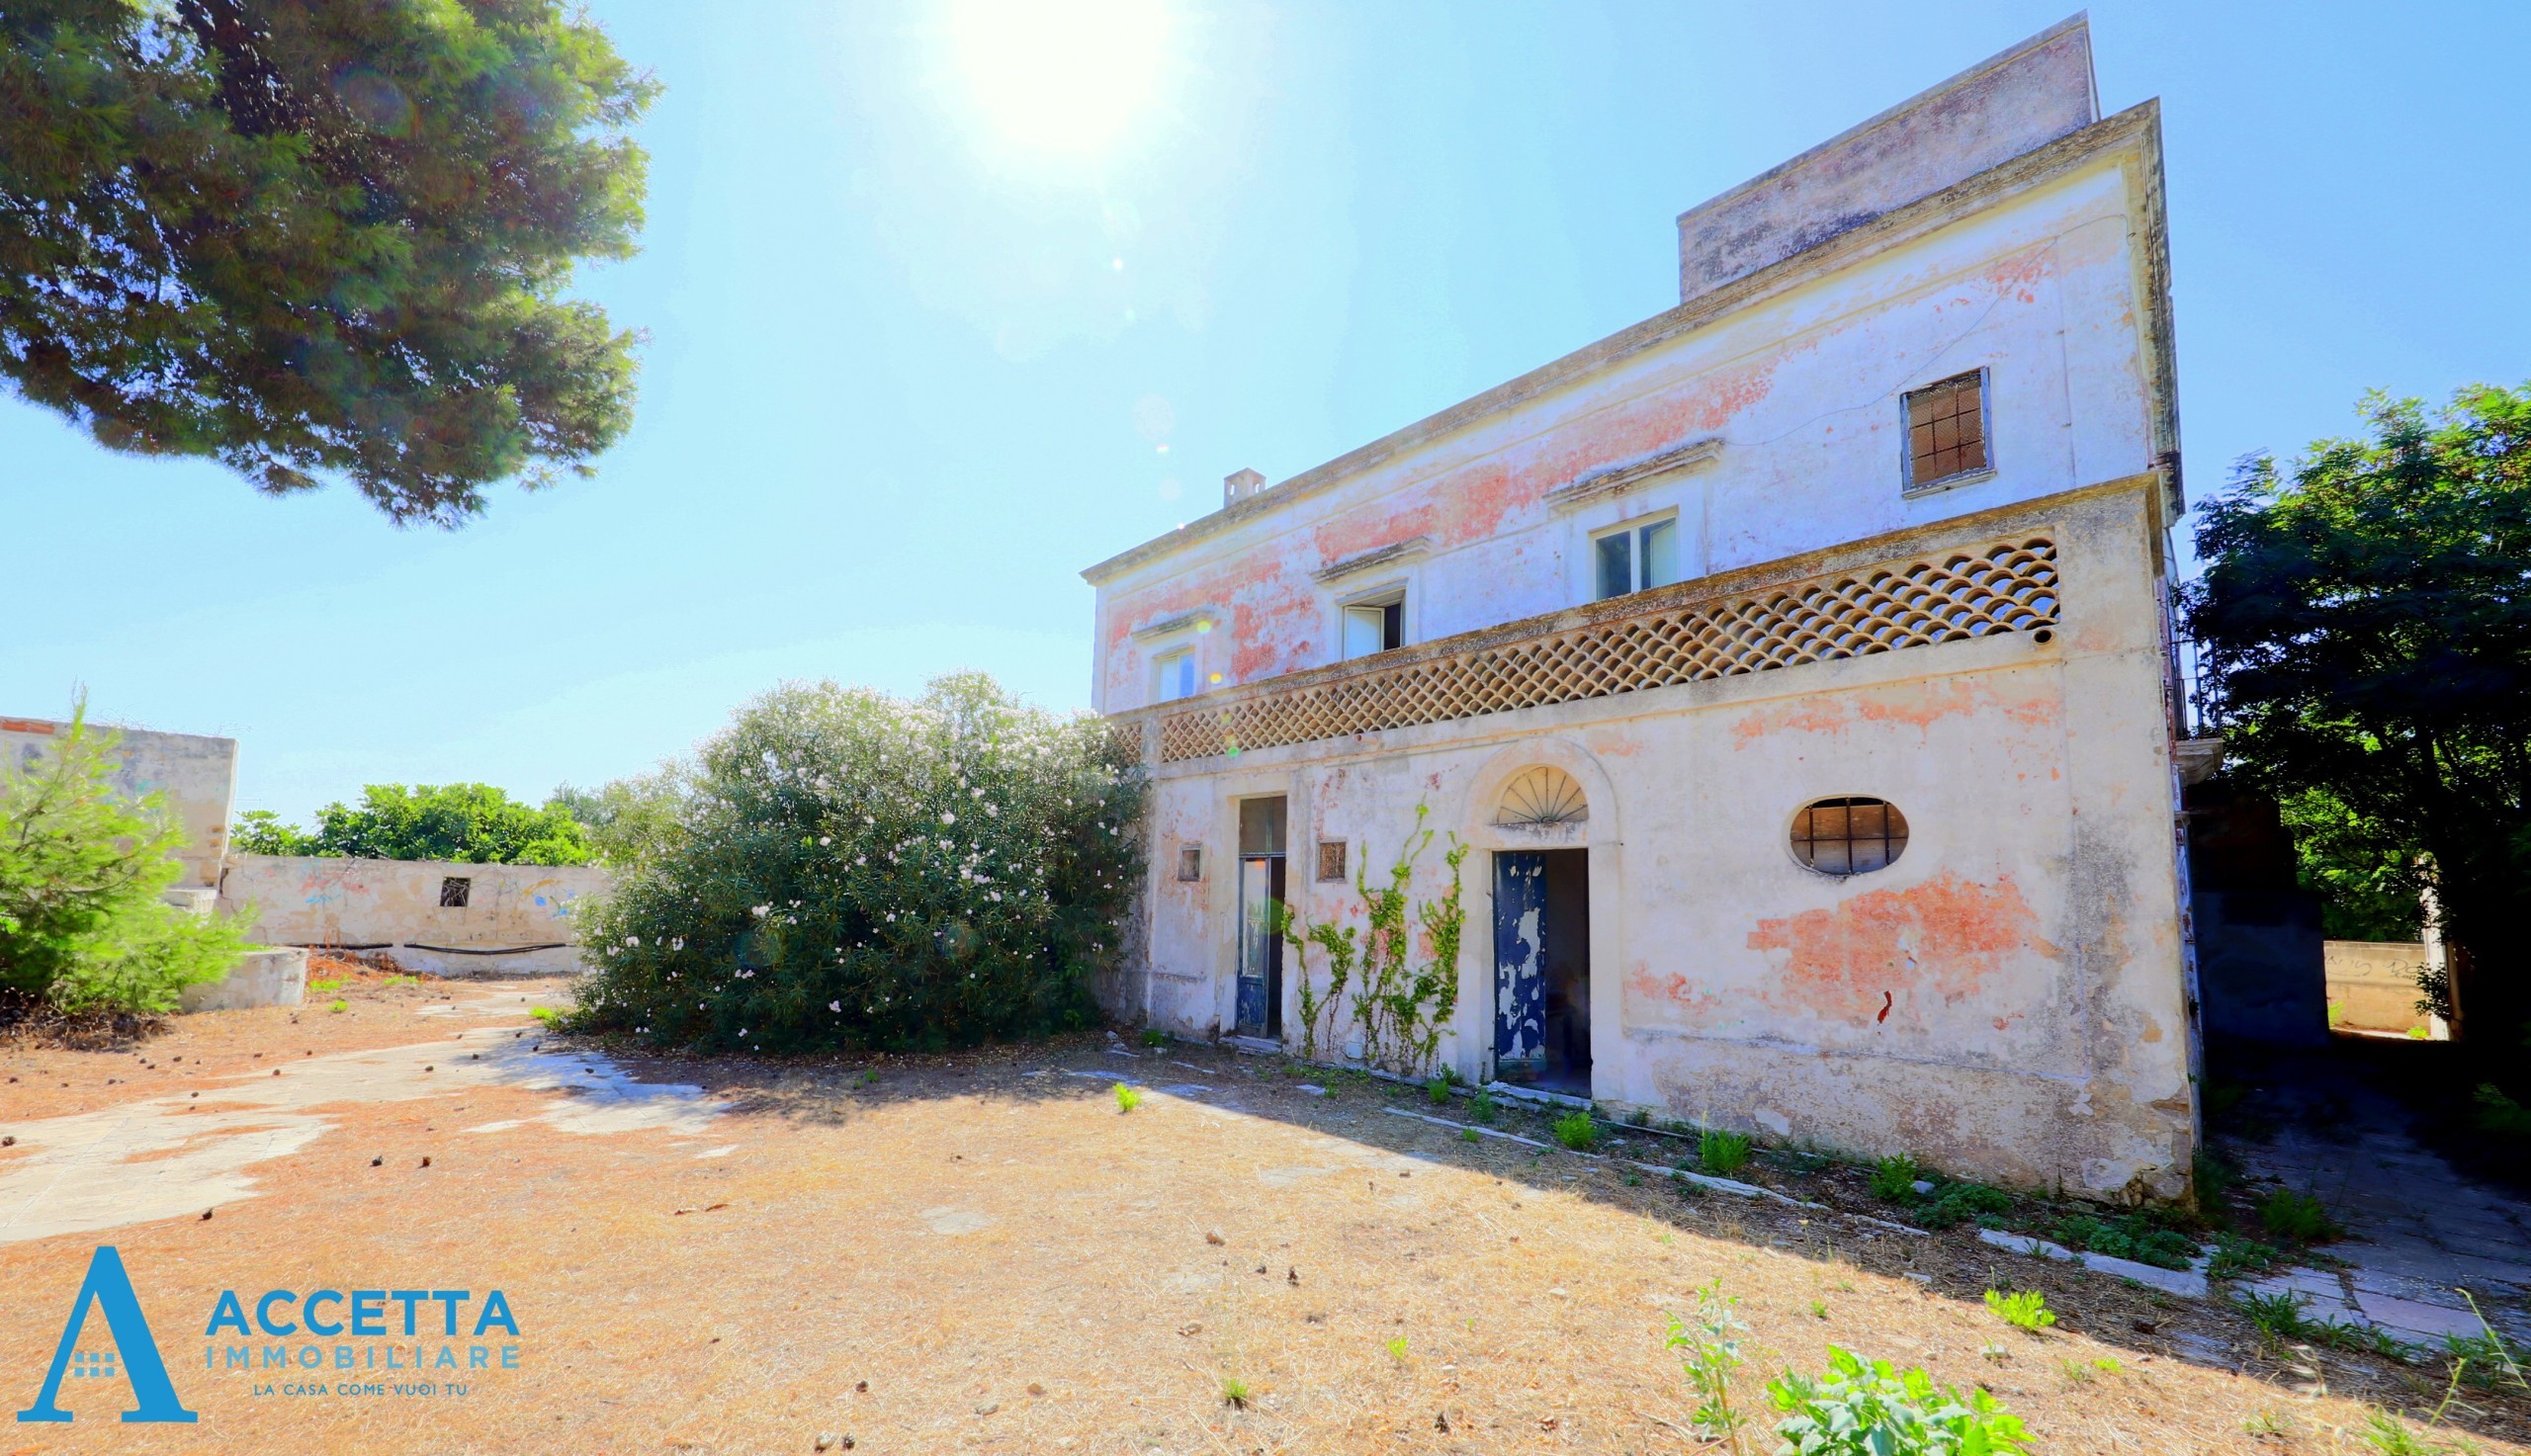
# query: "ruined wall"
[[2046, 283], [2371, 985], [518, 919], [2004, 1000], [197, 774]]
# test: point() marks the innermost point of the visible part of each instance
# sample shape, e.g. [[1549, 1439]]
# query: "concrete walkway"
[[2418, 1231]]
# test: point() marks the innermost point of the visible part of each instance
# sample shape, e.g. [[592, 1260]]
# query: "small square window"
[[1331, 861], [1637, 558], [452, 893], [1947, 430], [1173, 675], [1190, 862]]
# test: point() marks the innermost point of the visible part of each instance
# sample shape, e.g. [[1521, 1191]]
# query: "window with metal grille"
[[1190, 862], [452, 893], [1947, 430], [1331, 861], [1849, 836]]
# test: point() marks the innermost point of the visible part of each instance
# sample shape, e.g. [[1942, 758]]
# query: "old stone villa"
[[1797, 662]]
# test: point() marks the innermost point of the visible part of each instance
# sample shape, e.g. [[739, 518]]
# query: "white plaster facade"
[[517, 919], [2010, 997]]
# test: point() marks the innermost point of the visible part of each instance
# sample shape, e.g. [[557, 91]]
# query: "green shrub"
[[2126, 1237], [1895, 1179], [2287, 1214], [82, 868], [2499, 1114], [1128, 1098], [861, 871], [1438, 1089], [2279, 1317], [1871, 1408], [1153, 1035], [1577, 1131], [2235, 1256], [1955, 1203], [1480, 1107], [1723, 1152], [1710, 1350], [2025, 1309]]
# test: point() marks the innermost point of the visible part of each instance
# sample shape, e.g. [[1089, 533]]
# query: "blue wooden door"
[[1519, 965]]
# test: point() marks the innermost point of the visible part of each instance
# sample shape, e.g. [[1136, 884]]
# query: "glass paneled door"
[[1260, 1010]]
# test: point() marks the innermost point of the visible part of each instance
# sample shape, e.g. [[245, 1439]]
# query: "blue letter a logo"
[[108, 1285]]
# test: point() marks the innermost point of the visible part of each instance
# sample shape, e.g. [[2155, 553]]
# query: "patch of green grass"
[[1819, 1309], [324, 986], [1955, 1203], [870, 1078], [1576, 1131], [1687, 1187], [2126, 1237], [1470, 1135], [1895, 1179], [338, 1006], [1235, 1393], [2235, 1256], [2025, 1309], [1153, 1035], [1128, 1098], [1397, 1349], [1480, 1108], [1438, 1089], [1634, 1181], [2289, 1214], [2279, 1317], [1722, 1152], [546, 1014], [2388, 1435]]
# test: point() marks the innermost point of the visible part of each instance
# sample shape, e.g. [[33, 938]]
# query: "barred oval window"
[[1849, 836]]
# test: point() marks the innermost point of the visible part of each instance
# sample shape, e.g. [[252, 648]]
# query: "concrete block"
[[2413, 1318], [262, 978]]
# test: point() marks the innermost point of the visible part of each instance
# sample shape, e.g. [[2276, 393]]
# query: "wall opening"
[[454, 892], [1543, 969], [1259, 1008]]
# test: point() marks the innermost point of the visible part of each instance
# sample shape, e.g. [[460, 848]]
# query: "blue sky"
[[911, 367]]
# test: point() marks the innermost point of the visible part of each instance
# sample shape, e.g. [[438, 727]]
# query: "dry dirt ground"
[[982, 1251]]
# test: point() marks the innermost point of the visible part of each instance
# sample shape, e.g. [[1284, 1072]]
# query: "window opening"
[[1947, 429], [1849, 836], [454, 893], [1638, 558], [1175, 674]]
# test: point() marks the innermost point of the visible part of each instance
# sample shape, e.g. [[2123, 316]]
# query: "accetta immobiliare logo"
[[333, 1343]]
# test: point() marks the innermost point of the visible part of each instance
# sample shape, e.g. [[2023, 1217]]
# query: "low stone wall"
[[2372, 983], [449, 919], [268, 976]]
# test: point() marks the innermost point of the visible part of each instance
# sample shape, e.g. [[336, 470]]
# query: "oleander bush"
[[852, 869]]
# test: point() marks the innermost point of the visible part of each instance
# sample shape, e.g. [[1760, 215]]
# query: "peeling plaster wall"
[[2043, 288], [197, 774], [393, 904], [2005, 1001]]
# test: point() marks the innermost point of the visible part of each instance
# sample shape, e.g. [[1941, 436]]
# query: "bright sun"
[[1060, 76]]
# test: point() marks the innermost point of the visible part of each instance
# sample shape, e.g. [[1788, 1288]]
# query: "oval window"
[[1849, 836]]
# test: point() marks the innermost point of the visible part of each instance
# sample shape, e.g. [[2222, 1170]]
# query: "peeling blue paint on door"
[[1520, 970]]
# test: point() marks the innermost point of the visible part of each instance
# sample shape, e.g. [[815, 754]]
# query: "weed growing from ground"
[[1128, 1098], [1723, 1152], [1480, 1108], [2025, 1309], [1153, 1035], [2496, 1361], [1470, 1135], [2279, 1317], [338, 1006], [2299, 1217], [2235, 1256], [1438, 1089], [324, 986], [1577, 1132], [1397, 1349], [1955, 1203], [1895, 1179], [1235, 1393], [1710, 1350], [2126, 1237], [2264, 1423], [1872, 1406], [546, 1014], [1687, 1187], [2388, 1435], [1819, 1309]]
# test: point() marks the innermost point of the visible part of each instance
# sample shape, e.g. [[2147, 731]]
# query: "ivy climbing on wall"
[[1405, 985]]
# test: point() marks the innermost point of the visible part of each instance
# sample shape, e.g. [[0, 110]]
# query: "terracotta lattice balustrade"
[[2010, 587]]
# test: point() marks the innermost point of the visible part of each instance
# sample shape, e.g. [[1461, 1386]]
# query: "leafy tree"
[[854, 870], [82, 871], [629, 819], [2366, 619], [319, 237], [472, 824]]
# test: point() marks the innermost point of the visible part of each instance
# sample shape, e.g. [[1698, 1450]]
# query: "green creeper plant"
[[1401, 1001], [321, 240]]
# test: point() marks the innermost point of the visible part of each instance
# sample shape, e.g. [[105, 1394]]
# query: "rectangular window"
[[1376, 627], [1174, 675], [1331, 861], [454, 892], [1947, 430], [1190, 862], [1637, 558]]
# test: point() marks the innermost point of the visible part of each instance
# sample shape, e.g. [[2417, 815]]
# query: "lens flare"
[[1068, 79]]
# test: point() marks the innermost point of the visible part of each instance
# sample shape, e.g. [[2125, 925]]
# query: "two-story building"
[[1795, 664]]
